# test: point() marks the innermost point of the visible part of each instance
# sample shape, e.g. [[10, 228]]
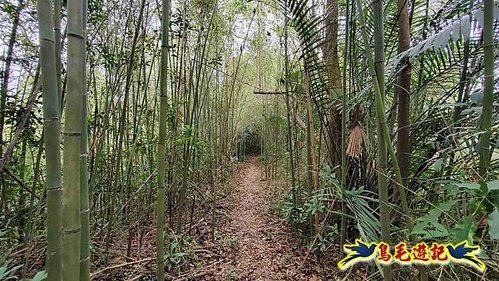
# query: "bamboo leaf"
[[3, 269]]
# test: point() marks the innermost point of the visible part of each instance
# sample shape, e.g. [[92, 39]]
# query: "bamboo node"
[[72, 230]]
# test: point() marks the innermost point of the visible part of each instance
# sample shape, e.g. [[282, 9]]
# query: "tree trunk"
[[488, 91], [403, 91], [330, 51]]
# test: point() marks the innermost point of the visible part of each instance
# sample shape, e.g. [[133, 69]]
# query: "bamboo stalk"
[[52, 140], [84, 193], [385, 143], [72, 141], [163, 107], [314, 167], [384, 139]]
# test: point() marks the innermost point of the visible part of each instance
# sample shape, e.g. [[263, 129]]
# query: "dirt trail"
[[262, 251]]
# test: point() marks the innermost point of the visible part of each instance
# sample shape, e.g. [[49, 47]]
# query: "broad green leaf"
[[477, 97], [494, 225], [464, 230], [469, 185], [452, 189], [479, 17], [435, 213], [428, 226], [466, 27], [439, 164], [493, 185], [430, 230], [442, 39], [39, 276], [3, 271], [456, 32]]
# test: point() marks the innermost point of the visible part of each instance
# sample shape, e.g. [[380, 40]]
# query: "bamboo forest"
[[249, 140]]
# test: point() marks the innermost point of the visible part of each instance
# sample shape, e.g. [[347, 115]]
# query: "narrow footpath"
[[262, 249]]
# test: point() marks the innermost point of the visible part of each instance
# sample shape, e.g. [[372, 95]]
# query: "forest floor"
[[263, 247], [251, 241]]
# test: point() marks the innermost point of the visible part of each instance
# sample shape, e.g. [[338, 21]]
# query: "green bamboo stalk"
[[84, 194], [380, 109], [488, 88], [52, 140], [163, 106], [383, 132], [184, 93], [58, 47], [312, 152], [382, 161], [72, 141], [288, 109]]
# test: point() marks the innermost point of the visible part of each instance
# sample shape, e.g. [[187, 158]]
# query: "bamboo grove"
[[121, 123]]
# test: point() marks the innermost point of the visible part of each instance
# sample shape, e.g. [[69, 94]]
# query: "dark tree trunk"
[[334, 76]]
